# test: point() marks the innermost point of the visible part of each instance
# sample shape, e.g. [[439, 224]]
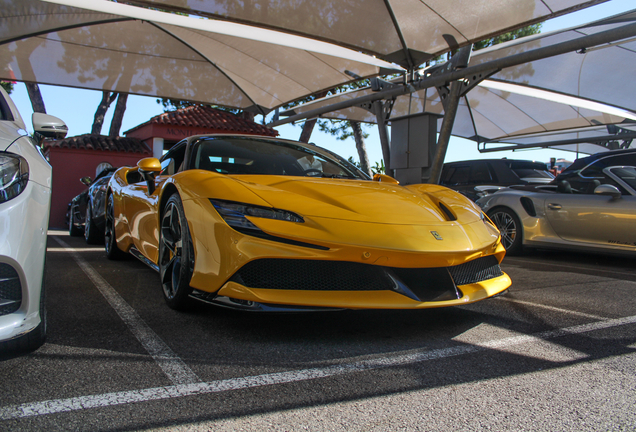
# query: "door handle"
[[554, 206]]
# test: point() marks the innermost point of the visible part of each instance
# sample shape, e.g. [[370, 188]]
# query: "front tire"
[[110, 240], [510, 227], [176, 254]]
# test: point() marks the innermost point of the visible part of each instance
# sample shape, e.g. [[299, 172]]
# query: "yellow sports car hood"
[[362, 201], [416, 218]]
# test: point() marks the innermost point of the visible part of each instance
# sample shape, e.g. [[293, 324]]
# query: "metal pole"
[[595, 39], [598, 140], [378, 109], [450, 112]]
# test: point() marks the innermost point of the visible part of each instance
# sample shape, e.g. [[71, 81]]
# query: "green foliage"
[[512, 35], [175, 104], [377, 169], [7, 86], [341, 129], [515, 34], [319, 95]]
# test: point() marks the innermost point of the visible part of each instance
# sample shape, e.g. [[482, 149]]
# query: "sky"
[[77, 107]]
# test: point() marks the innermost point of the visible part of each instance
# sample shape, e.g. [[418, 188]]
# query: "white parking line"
[[552, 308], [182, 390], [176, 370], [94, 249]]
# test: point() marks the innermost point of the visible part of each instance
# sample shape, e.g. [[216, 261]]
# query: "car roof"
[[585, 161]]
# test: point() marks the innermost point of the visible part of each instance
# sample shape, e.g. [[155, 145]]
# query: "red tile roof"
[[211, 118], [100, 142]]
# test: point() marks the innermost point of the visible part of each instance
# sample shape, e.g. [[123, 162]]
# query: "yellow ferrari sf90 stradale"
[[258, 223]]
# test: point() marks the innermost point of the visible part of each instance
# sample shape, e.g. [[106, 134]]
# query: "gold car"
[[267, 224]]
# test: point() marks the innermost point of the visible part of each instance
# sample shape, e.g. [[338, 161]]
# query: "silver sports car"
[[590, 206]]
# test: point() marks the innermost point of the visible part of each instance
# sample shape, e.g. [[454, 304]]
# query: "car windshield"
[[526, 169], [627, 174], [244, 155]]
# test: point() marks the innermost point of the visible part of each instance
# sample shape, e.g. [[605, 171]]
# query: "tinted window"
[[525, 169], [480, 173], [459, 175], [618, 160], [240, 155], [171, 161], [586, 185], [627, 174]]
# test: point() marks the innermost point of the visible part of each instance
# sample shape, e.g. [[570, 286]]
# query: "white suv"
[[25, 199]]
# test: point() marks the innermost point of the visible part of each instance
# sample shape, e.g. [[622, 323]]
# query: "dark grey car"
[[464, 176]]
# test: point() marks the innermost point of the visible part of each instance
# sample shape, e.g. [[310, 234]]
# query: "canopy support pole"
[[450, 112], [381, 117]]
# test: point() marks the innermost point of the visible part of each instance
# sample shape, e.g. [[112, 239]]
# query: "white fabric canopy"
[[407, 32], [129, 49], [566, 97]]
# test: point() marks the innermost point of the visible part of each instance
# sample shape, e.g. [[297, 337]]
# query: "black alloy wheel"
[[110, 241], [510, 228], [176, 254], [91, 232]]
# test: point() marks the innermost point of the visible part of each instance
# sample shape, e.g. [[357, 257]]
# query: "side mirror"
[[383, 178], [86, 180], [149, 168], [609, 190], [49, 126]]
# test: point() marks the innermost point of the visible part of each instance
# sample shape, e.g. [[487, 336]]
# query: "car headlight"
[[234, 214], [14, 175]]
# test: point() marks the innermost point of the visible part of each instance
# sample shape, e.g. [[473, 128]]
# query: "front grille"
[[312, 275], [477, 270], [10, 290], [423, 284]]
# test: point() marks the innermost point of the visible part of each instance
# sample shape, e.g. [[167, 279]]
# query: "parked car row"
[[264, 224], [590, 206], [25, 199], [86, 210]]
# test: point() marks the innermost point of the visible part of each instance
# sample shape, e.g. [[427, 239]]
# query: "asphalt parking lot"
[[557, 353]]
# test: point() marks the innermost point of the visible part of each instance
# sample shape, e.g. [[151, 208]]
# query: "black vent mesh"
[[312, 275], [427, 284], [10, 290], [477, 270]]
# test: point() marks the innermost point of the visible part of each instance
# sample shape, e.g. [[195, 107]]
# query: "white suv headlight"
[[14, 175]]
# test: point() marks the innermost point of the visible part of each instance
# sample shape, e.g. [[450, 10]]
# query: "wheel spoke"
[[170, 251], [168, 236], [167, 277], [507, 227], [110, 223]]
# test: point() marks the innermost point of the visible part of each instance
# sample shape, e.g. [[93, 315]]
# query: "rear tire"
[[92, 235], [73, 230], [176, 254], [510, 228], [110, 240]]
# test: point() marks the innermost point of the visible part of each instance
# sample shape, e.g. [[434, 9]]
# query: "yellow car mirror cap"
[[149, 165], [383, 178]]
